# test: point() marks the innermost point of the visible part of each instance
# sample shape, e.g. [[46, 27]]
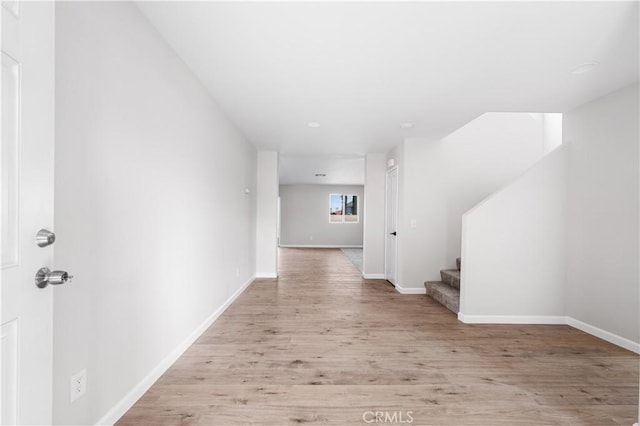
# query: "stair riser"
[[444, 294], [453, 306], [453, 281]]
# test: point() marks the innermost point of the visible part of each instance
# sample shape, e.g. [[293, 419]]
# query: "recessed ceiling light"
[[321, 174], [406, 125], [586, 67], [313, 124]]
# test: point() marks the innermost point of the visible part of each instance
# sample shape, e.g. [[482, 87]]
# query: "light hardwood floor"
[[321, 345]]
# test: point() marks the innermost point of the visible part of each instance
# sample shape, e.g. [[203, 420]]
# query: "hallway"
[[322, 345]]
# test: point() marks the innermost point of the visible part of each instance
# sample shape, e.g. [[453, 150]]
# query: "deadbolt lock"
[[44, 238]]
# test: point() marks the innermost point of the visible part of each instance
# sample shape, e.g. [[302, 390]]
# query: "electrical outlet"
[[237, 272], [310, 237], [78, 385], [414, 223]]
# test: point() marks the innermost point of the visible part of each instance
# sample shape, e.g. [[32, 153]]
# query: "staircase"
[[447, 291]]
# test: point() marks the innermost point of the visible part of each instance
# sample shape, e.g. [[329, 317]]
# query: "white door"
[[27, 102], [391, 241]]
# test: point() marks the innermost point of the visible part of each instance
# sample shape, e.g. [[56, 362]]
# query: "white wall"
[[440, 180], [374, 216], [304, 217], [603, 276], [151, 216], [535, 252], [551, 131], [514, 249], [267, 215]]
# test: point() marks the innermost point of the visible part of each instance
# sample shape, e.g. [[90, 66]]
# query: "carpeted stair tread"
[[451, 277], [444, 294]]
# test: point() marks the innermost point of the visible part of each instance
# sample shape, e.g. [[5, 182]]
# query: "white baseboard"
[[562, 320], [266, 275], [315, 246], [511, 319], [373, 276], [115, 413], [411, 290], [604, 335]]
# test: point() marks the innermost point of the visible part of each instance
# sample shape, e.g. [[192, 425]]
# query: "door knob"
[[44, 277]]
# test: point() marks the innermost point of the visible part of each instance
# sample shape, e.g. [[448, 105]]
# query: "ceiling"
[[360, 69]]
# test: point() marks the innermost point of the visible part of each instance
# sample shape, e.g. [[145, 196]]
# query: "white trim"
[[551, 319], [266, 275], [386, 219], [15, 208], [373, 276], [604, 335], [317, 246], [511, 319], [411, 290], [122, 406]]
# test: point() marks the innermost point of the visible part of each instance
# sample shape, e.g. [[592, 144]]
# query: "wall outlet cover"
[[78, 385]]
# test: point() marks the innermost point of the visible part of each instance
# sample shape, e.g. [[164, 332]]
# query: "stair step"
[[451, 277], [458, 263], [444, 294]]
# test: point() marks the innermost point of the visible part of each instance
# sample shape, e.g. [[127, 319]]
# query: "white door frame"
[[386, 219]]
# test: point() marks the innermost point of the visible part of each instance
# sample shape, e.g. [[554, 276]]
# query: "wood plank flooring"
[[322, 345]]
